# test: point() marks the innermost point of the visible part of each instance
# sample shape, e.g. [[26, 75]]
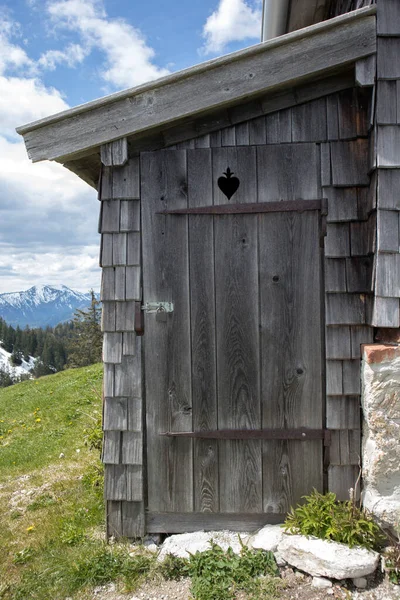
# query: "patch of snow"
[[16, 371]]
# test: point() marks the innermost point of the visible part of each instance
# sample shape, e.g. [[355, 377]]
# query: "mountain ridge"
[[42, 305]]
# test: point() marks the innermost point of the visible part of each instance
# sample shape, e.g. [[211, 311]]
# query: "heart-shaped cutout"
[[228, 184]]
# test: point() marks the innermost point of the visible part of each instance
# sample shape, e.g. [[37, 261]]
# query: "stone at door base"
[[322, 558], [281, 562], [267, 538], [184, 543], [360, 582], [321, 583]]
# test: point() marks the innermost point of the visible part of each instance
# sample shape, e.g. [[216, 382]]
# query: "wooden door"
[[239, 361]]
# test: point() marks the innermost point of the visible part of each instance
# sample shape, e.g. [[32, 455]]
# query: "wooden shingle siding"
[[335, 275]]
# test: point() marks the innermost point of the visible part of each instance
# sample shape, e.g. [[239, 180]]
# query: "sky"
[[56, 54]]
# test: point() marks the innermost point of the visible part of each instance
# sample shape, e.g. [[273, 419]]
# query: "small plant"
[[94, 476], [324, 517], [71, 534], [174, 567], [392, 563], [218, 575], [41, 502], [23, 556]]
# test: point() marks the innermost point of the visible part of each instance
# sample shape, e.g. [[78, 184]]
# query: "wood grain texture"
[[386, 106], [388, 141], [119, 254], [338, 345], [366, 71], [115, 153], [113, 519], [202, 309], [121, 182], [388, 187], [345, 309], [129, 343], [350, 163], [130, 215], [353, 112], [132, 448], [135, 413], [309, 122], [337, 243], [106, 250], [341, 479], [166, 278], [345, 448], [133, 248], [112, 347], [360, 335], [387, 277], [388, 231], [334, 377], [359, 274], [324, 47], [107, 291], [385, 312], [125, 316], [343, 412], [108, 316], [351, 377], [191, 521], [388, 49], [342, 204], [110, 215], [326, 167], [123, 482], [128, 380], [108, 380], [133, 520], [115, 414], [335, 275], [295, 172], [279, 127], [388, 17], [291, 352], [236, 272], [111, 451]]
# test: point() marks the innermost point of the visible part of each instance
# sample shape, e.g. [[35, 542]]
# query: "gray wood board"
[[387, 283], [385, 312], [388, 17], [388, 49], [343, 412], [322, 48], [195, 521], [236, 298], [341, 479], [166, 278], [338, 343], [345, 309], [388, 188], [291, 353], [350, 163], [121, 182], [202, 308]]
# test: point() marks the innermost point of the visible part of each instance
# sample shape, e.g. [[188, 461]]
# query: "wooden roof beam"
[[269, 66]]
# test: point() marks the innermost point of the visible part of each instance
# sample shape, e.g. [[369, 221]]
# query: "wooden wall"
[[387, 165], [339, 126], [121, 288]]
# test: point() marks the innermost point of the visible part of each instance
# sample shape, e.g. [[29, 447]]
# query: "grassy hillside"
[[51, 506]]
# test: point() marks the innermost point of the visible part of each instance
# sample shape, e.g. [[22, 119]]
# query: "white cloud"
[[233, 21], [73, 55], [129, 61]]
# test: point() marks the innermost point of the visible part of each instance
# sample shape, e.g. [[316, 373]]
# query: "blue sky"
[[56, 54]]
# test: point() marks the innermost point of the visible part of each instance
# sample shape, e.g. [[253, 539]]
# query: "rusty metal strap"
[[302, 434], [252, 208]]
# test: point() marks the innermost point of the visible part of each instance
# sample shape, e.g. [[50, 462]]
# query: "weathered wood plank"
[[114, 519], [279, 127], [135, 416], [342, 204], [359, 274], [341, 479], [323, 47], [115, 414], [202, 308], [114, 153], [121, 182], [242, 134], [203, 141], [112, 347], [337, 243], [345, 309], [111, 451], [125, 316], [228, 136], [343, 412], [108, 316], [132, 448], [107, 291], [257, 131], [385, 312], [334, 377], [326, 167], [388, 231], [388, 142], [337, 340], [362, 236], [129, 343], [332, 117], [110, 215], [386, 109], [130, 215], [345, 447], [309, 122], [388, 188], [133, 248], [236, 272], [216, 139], [195, 521], [335, 275], [120, 281], [295, 169], [106, 255], [108, 380], [387, 276], [353, 113], [133, 519], [366, 71], [290, 302], [360, 335], [388, 49], [128, 380], [388, 17], [351, 377], [350, 163], [123, 482], [366, 198], [119, 247], [133, 289], [166, 278]]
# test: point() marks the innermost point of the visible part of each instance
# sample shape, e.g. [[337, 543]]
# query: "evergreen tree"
[[86, 343]]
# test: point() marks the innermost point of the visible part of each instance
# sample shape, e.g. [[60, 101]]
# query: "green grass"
[[41, 419]]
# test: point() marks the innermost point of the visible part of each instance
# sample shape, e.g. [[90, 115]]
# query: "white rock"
[[321, 583], [199, 541], [280, 561], [152, 547], [322, 558], [62, 455], [381, 432], [267, 538], [360, 582]]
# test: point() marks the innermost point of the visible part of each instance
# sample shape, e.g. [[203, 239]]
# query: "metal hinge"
[[155, 307]]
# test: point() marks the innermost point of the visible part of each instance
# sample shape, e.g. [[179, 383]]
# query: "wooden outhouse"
[[249, 220]]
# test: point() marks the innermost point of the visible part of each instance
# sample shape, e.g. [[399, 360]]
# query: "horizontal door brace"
[[252, 208], [302, 434]]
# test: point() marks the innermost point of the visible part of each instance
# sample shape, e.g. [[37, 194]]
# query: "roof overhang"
[[267, 68]]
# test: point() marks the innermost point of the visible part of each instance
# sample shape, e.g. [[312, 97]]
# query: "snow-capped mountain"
[[41, 305]]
